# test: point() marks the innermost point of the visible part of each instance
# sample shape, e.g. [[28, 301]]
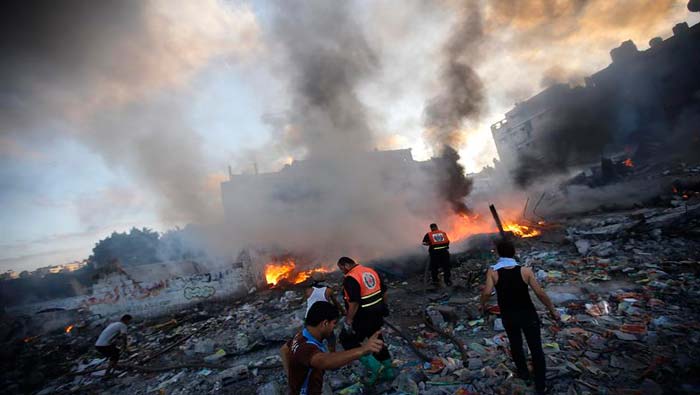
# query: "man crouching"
[[113, 334]]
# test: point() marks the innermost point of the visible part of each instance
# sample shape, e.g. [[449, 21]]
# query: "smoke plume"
[[328, 57], [461, 95], [451, 181], [460, 98], [342, 198]]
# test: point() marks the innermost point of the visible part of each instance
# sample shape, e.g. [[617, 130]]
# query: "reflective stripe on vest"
[[370, 285], [438, 238]]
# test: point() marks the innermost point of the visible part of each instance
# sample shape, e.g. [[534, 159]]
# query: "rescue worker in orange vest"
[[365, 303], [439, 250]]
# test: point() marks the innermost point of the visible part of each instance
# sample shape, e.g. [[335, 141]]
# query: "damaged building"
[[640, 99], [296, 182], [371, 193]]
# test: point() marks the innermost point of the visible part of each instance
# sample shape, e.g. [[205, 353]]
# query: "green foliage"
[[144, 246], [138, 247]]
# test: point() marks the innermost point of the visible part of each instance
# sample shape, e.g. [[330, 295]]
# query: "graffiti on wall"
[[127, 291], [200, 292]]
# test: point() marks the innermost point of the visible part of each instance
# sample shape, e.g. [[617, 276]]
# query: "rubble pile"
[[203, 349], [625, 283]]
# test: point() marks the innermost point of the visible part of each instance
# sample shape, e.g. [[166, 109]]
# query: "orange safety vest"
[[370, 285], [438, 239]]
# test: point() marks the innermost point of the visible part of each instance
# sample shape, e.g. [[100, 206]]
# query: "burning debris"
[[523, 231], [286, 271]]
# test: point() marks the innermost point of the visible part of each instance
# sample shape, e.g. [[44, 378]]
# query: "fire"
[[628, 162], [275, 272], [278, 271], [521, 230], [69, 328], [462, 226]]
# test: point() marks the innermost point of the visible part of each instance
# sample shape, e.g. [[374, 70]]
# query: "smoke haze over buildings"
[[119, 78]]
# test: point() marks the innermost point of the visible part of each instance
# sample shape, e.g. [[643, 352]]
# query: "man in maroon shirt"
[[305, 357]]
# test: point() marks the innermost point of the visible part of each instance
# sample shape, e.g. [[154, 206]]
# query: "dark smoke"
[[577, 132], [452, 183], [328, 58], [461, 96]]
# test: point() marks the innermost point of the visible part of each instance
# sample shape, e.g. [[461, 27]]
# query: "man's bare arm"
[[334, 360], [488, 288], [352, 311], [541, 294], [330, 295], [284, 354]]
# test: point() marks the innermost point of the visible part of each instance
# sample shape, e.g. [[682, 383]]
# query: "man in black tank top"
[[517, 311]]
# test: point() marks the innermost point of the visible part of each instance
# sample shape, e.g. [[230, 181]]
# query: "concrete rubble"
[[625, 282]]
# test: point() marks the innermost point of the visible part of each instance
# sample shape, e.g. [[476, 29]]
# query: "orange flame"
[[69, 328], [462, 226], [628, 162], [521, 230], [276, 272]]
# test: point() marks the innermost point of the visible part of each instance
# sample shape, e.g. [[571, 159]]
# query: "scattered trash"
[[598, 309], [498, 325]]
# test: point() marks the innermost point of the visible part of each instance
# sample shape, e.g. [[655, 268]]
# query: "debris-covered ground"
[[625, 282]]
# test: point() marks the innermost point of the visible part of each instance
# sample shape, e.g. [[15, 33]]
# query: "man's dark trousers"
[[440, 259], [365, 324], [529, 323]]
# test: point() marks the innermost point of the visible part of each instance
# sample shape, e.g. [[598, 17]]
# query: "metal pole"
[[498, 220]]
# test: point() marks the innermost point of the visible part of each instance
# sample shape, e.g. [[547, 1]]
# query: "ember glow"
[[286, 270], [521, 230], [69, 328], [628, 162]]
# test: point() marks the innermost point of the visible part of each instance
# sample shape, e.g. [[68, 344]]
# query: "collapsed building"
[[640, 99]]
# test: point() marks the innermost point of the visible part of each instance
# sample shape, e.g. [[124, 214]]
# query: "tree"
[[138, 247]]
